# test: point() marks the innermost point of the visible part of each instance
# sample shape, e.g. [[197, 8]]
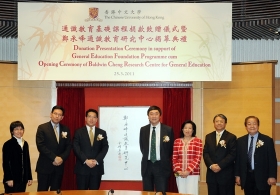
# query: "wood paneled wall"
[[27, 101]]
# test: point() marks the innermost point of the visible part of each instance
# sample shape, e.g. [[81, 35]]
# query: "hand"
[[10, 183], [91, 163], [237, 180], [183, 174], [271, 181], [57, 161], [215, 168], [29, 183]]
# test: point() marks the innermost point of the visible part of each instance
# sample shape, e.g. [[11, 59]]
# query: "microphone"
[[111, 191], [58, 191], [163, 192]]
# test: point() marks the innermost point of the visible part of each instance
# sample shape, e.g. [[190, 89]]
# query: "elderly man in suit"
[[90, 147], [219, 154], [156, 144], [256, 163], [54, 145]]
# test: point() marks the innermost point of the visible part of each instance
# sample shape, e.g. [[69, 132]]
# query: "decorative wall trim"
[[125, 84]]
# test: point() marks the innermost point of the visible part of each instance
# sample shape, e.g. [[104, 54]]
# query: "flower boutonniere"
[[223, 143], [64, 134], [99, 137], [166, 138], [259, 143]]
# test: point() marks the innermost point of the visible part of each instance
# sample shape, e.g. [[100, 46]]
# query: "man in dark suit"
[[90, 147], [54, 145], [256, 163], [156, 155], [219, 154]]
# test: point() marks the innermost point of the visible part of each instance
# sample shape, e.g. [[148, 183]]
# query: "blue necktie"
[[153, 155], [250, 152]]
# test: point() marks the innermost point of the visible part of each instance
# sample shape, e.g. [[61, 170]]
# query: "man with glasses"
[[54, 145]]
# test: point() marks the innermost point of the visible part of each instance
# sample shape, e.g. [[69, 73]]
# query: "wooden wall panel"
[[27, 101], [277, 134]]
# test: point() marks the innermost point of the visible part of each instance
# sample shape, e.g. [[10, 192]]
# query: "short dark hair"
[[92, 110], [154, 108], [193, 127], [248, 117], [14, 125], [58, 107], [220, 115]]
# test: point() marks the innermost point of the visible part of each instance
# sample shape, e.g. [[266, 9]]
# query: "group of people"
[[249, 161], [54, 144]]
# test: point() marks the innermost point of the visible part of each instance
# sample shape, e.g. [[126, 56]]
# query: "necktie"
[[217, 138], [91, 136], [250, 152], [153, 155], [56, 133]]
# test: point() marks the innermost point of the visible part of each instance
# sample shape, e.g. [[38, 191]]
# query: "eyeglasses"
[[57, 114]]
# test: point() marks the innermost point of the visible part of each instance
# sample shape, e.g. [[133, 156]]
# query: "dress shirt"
[[93, 131], [221, 133], [57, 128], [20, 141], [254, 147]]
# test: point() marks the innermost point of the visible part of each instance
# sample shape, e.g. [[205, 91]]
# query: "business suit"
[[50, 175], [265, 162], [83, 151], [163, 165], [16, 165], [224, 157]]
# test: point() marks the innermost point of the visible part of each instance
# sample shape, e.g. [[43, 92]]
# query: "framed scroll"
[[122, 124]]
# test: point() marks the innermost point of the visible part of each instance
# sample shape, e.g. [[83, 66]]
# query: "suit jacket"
[[166, 148], [16, 161], [83, 150], [265, 162], [223, 156], [49, 148]]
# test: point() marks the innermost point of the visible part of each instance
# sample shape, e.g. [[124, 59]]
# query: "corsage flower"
[[223, 143], [99, 137], [64, 134], [176, 174], [259, 143], [166, 138]]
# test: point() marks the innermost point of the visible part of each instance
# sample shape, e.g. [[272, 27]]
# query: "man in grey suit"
[[255, 168], [90, 147], [156, 144], [54, 145], [219, 154]]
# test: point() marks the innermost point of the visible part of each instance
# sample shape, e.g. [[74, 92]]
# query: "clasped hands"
[[91, 163], [57, 161], [215, 168], [183, 174]]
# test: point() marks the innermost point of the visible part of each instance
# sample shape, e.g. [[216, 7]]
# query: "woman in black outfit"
[[16, 161]]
